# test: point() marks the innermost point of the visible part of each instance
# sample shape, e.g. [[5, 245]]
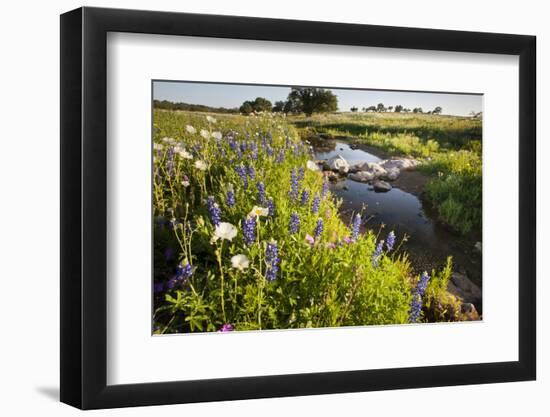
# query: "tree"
[[262, 104], [354, 109], [437, 110], [398, 108], [258, 105], [380, 107], [278, 107], [370, 108], [417, 110], [247, 107], [312, 100], [390, 108]]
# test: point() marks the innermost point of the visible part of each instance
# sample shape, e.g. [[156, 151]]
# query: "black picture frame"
[[84, 207]]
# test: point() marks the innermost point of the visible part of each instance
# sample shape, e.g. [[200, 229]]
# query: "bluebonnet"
[[318, 229], [325, 188], [230, 198], [281, 157], [377, 253], [241, 172], [213, 210], [261, 193], [268, 150], [227, 327], [254, 149], [184, 272], [270, 207], [170, 161], [232, 144], [305, 197], [390, 241], [293, 193], [356, 224], [251, 172], [249, 230], [315, 205], [294, 223], [417, 294], [301, 172], [272, 260]]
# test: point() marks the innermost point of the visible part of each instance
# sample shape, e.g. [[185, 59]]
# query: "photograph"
[[291, 207]]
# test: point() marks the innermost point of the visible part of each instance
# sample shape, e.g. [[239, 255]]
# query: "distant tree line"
[[168, 105], [380, 108], [299, 100]]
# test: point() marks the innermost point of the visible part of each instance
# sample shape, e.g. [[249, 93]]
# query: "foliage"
[[254, 270], [168, 105], [260, 104], [311, 100]]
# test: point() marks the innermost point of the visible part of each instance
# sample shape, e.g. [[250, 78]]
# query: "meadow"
[[247, 234], [448, 146]]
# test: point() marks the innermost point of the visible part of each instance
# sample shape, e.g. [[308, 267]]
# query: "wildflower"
[[270, 207], [316, 203], [390, 241], [224, 231], [183, 153], [281, 157], [417, 294], [251, 172], [205, 134], [293, 193], [268, 150], [258, 212], [190, 129], [210, 119], [355, 227], [347, 240], [184, 272], [294, 223], [171, 283], [261, 193], [217, 135], [213, 210], [312, 166], [170, 161], [249, 230], [324, 192], [272, 260], [201, 165], [377, 253], [169, 141], [157, 146], [305, 197], [240, 262], [301, 173], [330, 245], [310, 239], [241, 172], [230, 199], [318, 229], [185, 182], [226, 328]]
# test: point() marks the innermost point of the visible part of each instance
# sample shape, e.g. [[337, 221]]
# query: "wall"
[[29, 235]]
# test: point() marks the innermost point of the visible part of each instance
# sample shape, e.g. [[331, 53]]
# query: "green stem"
[[219, 256]]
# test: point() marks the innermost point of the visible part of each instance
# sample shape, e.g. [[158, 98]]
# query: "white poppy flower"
[[185, 183], [312, 166], [217, 135], [224, 231], [240, 262], [157, 146], [205, 133], [258, 211], [190, 129], [185, 155], [201, 165], [168, 140], [210, 119]]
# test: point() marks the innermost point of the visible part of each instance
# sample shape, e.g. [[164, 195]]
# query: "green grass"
[[450, 148], [325, 284]]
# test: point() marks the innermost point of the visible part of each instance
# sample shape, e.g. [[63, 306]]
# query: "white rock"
[[337, 163], [361, 176]]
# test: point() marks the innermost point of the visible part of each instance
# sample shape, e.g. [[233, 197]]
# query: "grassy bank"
[[449, 146], [247, 235]]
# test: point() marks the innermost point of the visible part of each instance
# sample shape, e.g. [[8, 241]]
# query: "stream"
[[429, 242]]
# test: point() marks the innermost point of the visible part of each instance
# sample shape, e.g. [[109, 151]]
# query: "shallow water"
[[429, 243]]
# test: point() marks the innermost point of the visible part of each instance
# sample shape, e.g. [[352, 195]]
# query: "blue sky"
[[233, 95]]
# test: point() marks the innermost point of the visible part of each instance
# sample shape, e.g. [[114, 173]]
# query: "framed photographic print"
[[256, 208]]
